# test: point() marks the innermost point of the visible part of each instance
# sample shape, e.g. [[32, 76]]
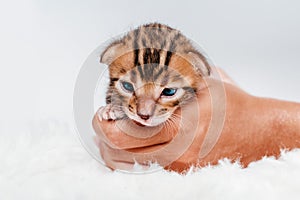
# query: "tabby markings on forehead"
[[139, 67], [158, 74], [133, 76], [165, 80]]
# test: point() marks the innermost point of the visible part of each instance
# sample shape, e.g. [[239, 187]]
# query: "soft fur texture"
[[47, 161], [149, 60]]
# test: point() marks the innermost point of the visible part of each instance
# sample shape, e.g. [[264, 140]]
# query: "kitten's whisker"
[[176, 115], [171, 123], [175, 119]]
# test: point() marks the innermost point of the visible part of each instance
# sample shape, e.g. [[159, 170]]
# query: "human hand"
[[200, 133], [174, 145]]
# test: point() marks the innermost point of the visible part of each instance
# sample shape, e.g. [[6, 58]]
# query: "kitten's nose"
[[145, 108], [144, 117]]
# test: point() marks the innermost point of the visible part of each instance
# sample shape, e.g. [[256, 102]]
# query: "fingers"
[[120, 151], [113, 136], [125, 160], [114, 158]]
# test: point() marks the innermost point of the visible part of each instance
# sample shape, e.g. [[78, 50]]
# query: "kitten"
[[153, 70]]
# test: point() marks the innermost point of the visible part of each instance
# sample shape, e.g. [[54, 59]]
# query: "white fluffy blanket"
[[48, 162]]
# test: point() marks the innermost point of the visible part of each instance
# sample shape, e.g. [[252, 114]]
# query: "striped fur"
[[152, 57]]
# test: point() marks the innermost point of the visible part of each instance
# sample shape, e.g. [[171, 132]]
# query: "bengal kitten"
[[153, 70]]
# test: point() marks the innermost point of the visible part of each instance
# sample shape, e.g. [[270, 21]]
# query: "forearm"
[[277, 127], [257, 127], [286, 123]]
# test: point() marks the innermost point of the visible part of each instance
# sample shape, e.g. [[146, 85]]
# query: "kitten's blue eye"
[[128, 86], [169, 91]]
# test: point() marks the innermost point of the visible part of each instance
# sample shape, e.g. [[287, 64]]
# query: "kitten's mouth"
[[149, 123], [153, 121], [138, 123]]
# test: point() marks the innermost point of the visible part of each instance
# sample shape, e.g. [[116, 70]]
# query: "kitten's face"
[[150, 94]]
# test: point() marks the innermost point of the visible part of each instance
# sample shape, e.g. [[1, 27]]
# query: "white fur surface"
[[48, 162]]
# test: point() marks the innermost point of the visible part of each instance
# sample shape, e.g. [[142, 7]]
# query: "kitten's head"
[[153, 70]]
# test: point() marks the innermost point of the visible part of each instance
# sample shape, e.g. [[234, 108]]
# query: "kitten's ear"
[[200, 63], [111, 52]]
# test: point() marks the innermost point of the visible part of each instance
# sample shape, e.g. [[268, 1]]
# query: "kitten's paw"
[[109, 112]]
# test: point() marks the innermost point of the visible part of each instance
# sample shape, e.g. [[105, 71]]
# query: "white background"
[[44, 43]]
